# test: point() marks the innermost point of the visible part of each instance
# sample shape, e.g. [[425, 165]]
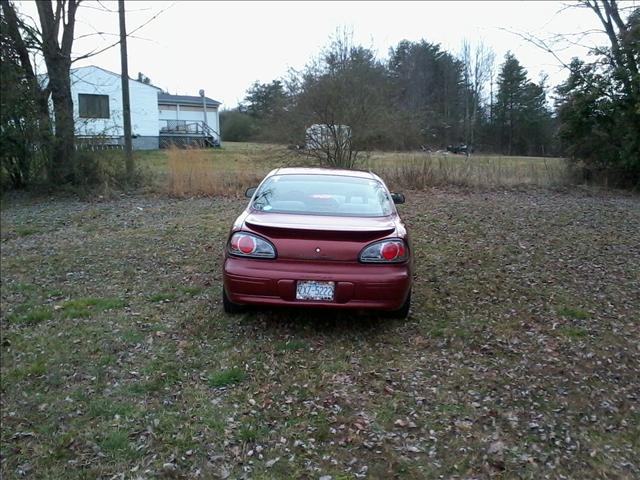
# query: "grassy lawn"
[[520, 358]]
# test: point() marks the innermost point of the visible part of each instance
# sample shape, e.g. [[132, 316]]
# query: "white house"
[[157, 119]]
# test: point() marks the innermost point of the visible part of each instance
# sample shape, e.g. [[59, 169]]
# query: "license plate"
[[311, 290]]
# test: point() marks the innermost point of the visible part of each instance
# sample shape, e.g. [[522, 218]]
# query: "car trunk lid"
[[319, 237]]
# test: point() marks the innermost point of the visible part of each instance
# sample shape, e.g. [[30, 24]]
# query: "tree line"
[[420, 97], [423, 97]]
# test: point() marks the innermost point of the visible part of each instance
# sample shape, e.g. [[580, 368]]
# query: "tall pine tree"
[[523, 121], [510, 102]]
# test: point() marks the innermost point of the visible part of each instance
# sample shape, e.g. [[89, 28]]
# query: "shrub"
[[238, 126], [103, 171]]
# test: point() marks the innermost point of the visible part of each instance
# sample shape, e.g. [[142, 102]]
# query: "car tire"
[[403, 311], [229, 306]]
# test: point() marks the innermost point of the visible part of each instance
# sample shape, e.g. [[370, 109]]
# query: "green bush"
[[238, 126], [103, 171]]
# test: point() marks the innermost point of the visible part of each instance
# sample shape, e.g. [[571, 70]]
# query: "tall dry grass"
[[230, 170], [196, 172], [417, 171]]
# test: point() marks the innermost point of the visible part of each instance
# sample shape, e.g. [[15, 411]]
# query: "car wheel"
[[229, 306], [403, 311]]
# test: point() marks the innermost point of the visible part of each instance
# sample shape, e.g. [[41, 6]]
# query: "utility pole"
[[126, 106]]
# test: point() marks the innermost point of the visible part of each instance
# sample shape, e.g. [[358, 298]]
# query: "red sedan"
[[315, 237]]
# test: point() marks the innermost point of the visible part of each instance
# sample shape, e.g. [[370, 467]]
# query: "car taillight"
[[386, 251], [245, 244]]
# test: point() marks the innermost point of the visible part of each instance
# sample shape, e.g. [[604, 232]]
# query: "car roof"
[[322, 171]]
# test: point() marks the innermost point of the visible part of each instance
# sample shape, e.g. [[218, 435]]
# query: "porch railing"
[[186, 127]]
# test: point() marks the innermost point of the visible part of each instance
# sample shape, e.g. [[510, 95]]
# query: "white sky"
[[224, 47]]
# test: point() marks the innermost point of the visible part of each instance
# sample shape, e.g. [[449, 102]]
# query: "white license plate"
[[311, 290]]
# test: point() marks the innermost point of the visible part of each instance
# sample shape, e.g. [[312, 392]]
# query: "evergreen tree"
[[523, 122], [428, 87], [510, 102], [264, 100], [599, 104]]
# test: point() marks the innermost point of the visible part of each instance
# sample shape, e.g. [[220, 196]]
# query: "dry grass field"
[[183, 173], [202, 172], [420, 170], [520, 358]]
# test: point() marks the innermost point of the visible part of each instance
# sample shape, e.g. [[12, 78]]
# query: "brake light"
[[245, 244], [386, 251]]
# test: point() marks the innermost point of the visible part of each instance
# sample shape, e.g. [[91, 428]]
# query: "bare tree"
[[625, 55], [332, 144], [57, 40], [344, 93], [469, 94], [478, 65], [622, 36]]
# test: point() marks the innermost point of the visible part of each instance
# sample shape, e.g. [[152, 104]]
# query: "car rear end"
[[325, 260], [336, 264]]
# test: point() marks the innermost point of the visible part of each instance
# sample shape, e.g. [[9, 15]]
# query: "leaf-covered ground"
[[521, 358]]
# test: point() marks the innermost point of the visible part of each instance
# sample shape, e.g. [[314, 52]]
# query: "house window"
[[93, 106]]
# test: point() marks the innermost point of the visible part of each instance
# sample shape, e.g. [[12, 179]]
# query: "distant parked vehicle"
[[460, 149]]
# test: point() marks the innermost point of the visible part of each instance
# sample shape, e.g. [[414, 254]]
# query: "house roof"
[[185, 100], [115, 74]]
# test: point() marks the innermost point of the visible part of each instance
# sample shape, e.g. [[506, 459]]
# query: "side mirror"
[[250, 191], [398, 198]]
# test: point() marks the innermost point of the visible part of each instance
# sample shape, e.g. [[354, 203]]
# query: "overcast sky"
[[224, 47]]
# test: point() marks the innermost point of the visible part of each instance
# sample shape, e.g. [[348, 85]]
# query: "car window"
[[323, 195]]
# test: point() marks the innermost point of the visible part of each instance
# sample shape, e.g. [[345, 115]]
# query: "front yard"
[[520, 359]]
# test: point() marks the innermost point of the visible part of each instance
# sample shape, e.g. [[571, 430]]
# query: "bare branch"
[[14, 33], [59, 13], [103, 8], [108, 34], [67, 35], [622, 58], [102, 50], [615, 14], [538, 43]]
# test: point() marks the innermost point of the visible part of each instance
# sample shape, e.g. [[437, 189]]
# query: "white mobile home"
[[157, 119]]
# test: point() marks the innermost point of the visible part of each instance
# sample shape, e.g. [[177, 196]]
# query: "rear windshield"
[[323, 195]]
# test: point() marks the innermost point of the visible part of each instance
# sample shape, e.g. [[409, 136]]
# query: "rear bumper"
[[358, 286]]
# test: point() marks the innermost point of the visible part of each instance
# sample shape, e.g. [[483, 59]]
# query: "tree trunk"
[[63, 165], [57, 57]]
